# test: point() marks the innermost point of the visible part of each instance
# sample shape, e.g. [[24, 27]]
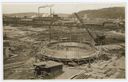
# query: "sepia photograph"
[[63, 41]]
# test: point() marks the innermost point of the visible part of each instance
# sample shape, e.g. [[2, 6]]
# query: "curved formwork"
[[70, 51]]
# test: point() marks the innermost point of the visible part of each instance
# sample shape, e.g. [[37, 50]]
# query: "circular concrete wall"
[[70, 50]]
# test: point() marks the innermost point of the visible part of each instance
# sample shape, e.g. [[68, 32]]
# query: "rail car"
[[57, 21], [38, 21]]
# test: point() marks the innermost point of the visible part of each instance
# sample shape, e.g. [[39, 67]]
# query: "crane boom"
[[84, 26]]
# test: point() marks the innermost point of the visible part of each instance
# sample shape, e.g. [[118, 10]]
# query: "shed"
[[48, 67]]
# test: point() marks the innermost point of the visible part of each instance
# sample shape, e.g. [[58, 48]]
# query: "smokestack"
[[50, 11], [45, 7]]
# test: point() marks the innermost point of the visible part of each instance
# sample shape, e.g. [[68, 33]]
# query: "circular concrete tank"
[[70, 50]]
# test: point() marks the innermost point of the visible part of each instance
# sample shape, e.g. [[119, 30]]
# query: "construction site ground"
[[26, 42]]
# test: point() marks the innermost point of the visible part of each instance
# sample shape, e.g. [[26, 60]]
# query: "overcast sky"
[[57, 7]]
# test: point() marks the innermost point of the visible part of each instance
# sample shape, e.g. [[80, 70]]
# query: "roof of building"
[[39, 63], [48, 64]]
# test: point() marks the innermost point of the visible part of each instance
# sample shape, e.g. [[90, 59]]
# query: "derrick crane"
[[94, 39], [98, 40], [83, 25]]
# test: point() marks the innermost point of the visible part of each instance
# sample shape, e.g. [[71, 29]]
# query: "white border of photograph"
[[66, 1]]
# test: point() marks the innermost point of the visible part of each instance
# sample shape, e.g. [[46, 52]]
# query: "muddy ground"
[[26, 42]]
